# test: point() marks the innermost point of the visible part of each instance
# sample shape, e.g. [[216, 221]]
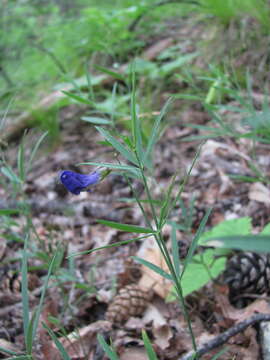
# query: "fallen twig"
[[222, 338]]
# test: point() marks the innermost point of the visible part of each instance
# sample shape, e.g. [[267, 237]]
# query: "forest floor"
[[78, 303]]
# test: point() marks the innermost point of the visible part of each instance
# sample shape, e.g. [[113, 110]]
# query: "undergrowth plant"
[[138, 162], [14, 184]]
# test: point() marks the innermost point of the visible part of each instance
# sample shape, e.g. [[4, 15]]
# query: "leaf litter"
[[79, 297]]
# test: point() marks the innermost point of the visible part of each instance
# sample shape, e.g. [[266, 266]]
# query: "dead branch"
[[224, 337]]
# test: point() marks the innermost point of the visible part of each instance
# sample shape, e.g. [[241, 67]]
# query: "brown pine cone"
[[130, 301]]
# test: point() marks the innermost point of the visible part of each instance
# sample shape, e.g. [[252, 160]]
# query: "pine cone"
[[131, 301], [247, 273]]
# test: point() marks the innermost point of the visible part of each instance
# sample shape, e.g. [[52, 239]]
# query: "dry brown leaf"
[[79, 343], [160, 328], [3, 246], [134, 353], [150, 279], [231, 313], [260, 193]]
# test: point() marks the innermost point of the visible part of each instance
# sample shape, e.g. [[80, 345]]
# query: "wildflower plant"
[[138, 162]]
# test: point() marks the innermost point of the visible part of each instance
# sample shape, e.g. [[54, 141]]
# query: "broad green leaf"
[[197, 275], [266, 230], [96, 120], [153, 267], [241, 226], [126, 227], [256, 243], [108, 349], [148, 346], [127, 154], [57, 343]]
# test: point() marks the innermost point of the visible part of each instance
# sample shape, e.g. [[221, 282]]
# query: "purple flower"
[[75, 182]]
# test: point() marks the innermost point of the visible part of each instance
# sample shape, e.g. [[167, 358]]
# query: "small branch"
[[224, 337]]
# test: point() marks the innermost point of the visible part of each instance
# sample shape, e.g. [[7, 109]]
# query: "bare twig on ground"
[[222, 338]]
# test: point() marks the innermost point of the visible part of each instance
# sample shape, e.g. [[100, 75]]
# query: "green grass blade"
[[7, 351], [117, 145], [126, 227], [119, 243], [96, 120], [10, 174], [166, 204], [25, 296], [175, 250], [155, 131], [135, 120], [21, 161], [133, 171], [57, 343], [9, 211], [112, 166], [21, 357], [108, 349], [153, 267], [30, 335], [148, 346], [113, 74], [42, 297], [194, 243], [35, 149], [78, 98]]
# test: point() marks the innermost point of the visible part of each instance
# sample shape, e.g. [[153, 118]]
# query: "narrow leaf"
[[148, 346], [108, 350], [114, 74], [126, 227], [78, 98], [194, 243], [25, 296], [20, 161], [175, 250], [119, 243], [57, 343], [153, 267], [96, 120], [7, 351], [35, 149], [117, 145], [9, 211], [155, 131]]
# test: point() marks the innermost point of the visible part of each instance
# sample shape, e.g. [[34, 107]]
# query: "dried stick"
[[222, 338]]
